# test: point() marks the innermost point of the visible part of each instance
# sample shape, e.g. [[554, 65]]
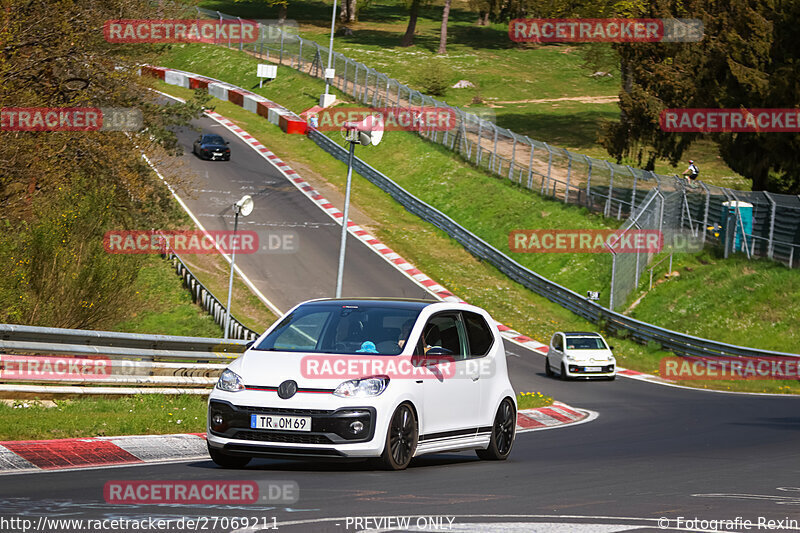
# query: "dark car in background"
[[211, 146]]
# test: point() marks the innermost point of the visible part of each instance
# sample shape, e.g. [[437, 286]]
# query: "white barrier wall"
[[251, 102], [275, 114], [218, 90], [176, 78]]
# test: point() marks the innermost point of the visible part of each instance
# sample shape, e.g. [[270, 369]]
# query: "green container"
[[740, 214]]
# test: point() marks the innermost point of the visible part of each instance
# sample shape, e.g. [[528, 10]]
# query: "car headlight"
[[362, 388], [230, 381]]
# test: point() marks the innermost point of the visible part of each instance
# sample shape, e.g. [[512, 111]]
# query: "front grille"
[[283, 411], [291, 438]]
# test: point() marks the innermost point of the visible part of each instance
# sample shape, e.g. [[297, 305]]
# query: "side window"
[[557, 343], [445, 331], [479, 334]]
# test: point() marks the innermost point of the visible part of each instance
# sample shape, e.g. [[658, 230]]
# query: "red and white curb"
[[62, 454], [18, 457], [553, 416]]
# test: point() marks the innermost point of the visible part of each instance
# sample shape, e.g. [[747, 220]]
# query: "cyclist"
[[691, 173]]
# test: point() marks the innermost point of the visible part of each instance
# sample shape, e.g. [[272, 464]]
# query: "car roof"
[[406, 303], [582, 334]]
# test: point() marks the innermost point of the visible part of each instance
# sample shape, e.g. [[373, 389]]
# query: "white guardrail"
[[53, 362]]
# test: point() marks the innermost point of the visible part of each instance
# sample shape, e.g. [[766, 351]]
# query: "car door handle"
[[476, 378]]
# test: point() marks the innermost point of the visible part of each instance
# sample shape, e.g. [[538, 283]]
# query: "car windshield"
[[213, 139], [585, 343], [375, 328]]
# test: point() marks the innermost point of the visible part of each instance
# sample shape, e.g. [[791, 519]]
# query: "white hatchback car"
[[580, 354], [366, 378]]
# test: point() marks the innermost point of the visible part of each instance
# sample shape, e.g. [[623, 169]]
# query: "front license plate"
[[594, 368], [283, 423]]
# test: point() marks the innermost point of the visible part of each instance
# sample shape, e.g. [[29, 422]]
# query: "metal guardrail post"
[[613, 280], [633, 191], [494, 150], [588, 181], [280, 57], [478, 154], [770, 244], [300, 56], [241, 34], [610, 189], [530, 163], [513, 156], [569, 175], [549, 168], [705, 214]]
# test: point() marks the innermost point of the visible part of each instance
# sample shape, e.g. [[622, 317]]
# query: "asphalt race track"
[[285, 277], [653, 452]]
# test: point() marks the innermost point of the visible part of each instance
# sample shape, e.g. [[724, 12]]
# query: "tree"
[[348, 11], [747, 59], [60, 191], [282, 5], [443, 32], [408, 37]]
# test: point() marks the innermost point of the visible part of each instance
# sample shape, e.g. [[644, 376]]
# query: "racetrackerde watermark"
[[395, 367], [59, 368], [584, 241], [358, 367], [730, 120], [613, 30], [70, 119], [414, 118], [180, 241], [180, 31], [730, 368], [205, 492]]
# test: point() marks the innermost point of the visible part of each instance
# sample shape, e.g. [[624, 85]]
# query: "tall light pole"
[[326, 100], [367, 132], [243, 207], [343, 241]]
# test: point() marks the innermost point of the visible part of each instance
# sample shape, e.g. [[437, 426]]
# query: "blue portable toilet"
[[741, 214]]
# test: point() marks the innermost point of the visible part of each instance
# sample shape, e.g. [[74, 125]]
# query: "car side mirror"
[[249, 344], [227, 142], [611, 348]]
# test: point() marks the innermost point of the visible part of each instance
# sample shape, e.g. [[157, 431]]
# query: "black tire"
[[547, 370], [503, 430], [612, 378], [227, 461], [563, 376], [401, 439]]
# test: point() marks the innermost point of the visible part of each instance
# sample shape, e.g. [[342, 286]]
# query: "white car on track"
[[575, 354], [389, 379]]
